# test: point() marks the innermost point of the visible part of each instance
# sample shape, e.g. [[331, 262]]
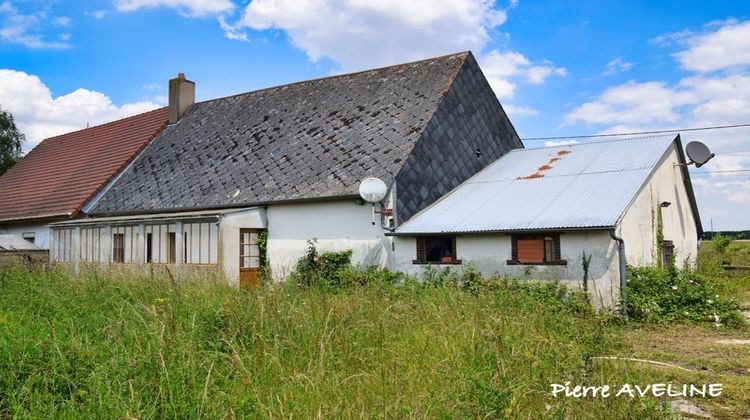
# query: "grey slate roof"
[[309, 140]]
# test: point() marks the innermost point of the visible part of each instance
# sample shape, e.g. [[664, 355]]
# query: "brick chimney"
[[181, 97]]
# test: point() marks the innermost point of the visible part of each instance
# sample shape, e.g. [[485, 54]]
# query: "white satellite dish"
[[698, 153], [372, 190]]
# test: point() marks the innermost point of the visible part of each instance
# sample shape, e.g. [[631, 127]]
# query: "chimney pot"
[[181, 97]]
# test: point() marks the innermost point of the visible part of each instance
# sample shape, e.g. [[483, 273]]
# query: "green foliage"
[[265, 266], [108, 346], [327, 269], [683, 295], [720, 243], [11, 140], [585, 263]]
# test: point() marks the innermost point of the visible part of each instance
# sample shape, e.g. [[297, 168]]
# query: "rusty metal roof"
[[579, 186], [60, 175]]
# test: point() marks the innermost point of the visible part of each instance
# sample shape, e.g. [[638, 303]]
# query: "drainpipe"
[[623, 273]]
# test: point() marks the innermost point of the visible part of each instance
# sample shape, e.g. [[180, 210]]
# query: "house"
[[534, 213], [60, 178], [265, 171], [234, 182]]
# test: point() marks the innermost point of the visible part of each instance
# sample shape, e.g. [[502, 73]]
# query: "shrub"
[[321, 269], [668, 295]]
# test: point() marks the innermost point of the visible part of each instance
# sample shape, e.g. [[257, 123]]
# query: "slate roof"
[[587, 185], [303, 141], [61, 174]]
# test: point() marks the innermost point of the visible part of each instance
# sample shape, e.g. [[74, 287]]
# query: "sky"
[[559, 68]]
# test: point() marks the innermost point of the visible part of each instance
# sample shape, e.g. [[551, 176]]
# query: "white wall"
[[229, 239], [638, 225], [489, 253], [337, 225], [41, 231]]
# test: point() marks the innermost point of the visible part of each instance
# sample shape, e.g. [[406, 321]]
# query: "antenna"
[[698, 153], [373, 190]]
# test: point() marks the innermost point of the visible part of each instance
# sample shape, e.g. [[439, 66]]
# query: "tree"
[[10, 141]]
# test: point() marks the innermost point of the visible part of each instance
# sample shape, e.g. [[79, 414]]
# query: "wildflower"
[[717, 296], [160, 301], [674, 287], [710, 301], [714, 318]]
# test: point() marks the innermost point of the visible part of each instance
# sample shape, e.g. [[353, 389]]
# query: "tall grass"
[[103, 345]]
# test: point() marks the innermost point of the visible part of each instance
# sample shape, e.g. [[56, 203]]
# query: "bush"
[[669, 295], [315, 269]]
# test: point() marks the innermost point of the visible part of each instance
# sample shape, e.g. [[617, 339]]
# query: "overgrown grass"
[[118, 346]]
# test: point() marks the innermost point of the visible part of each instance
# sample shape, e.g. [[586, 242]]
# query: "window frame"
[[421, 245], [549, 239]]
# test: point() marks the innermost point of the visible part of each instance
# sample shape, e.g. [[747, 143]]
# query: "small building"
[[62, 176], [534, 213]]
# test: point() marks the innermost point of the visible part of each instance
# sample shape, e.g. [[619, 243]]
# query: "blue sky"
[[558, 67]]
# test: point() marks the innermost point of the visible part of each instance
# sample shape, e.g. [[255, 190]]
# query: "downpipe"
[[623, 272]]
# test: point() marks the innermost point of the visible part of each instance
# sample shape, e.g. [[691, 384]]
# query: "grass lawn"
[[107, 345]]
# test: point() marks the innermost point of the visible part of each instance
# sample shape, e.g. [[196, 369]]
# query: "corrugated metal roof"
[[563, 187]]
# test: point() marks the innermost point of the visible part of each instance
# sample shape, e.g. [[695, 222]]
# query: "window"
[[536, 249], [249, 249], [436, 250], [29, 236], [118, 248], [149, 247], [171, 248]]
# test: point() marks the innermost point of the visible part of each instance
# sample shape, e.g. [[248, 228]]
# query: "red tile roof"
[[60, 175]]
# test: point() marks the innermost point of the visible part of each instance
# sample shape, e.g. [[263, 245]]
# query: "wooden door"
[[249, 258]]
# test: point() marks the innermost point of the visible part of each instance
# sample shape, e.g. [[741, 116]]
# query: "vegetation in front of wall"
[[661, 295], [266, 276], [585, 264], [326, 269], [659, 238]]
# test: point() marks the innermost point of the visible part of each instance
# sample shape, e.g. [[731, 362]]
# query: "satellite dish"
[[372, 190], [698, 153]]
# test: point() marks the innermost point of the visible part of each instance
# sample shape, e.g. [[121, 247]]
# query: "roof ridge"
[[462, 54], [102, 124], [610, 140]]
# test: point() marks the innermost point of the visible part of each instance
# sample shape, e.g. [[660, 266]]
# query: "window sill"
[[560, 262], [417, 262]]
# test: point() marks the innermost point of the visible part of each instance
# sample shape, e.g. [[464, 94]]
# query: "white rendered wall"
[[41, 232], [337, 226], [489, 254], [638, 225]]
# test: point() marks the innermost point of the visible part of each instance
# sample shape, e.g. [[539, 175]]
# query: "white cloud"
[[501, 68], [633, 103], [360, 34], [727, 47], [24, 29], [618, 65], [519, 111], [185, 7], [232, 32], [40, 115], [97, 14]]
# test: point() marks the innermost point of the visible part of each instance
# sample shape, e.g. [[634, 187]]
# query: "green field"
[[109, 345]]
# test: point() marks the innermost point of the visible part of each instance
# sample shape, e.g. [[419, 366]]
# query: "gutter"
[[623, 273]]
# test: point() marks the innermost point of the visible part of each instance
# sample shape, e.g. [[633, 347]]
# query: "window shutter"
[[421, 250], [558, 255], [531, 250]]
